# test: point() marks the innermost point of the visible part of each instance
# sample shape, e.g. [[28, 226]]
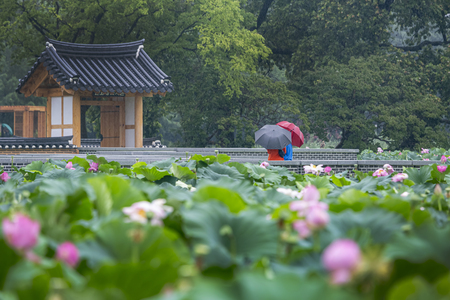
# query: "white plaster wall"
[[129, 111], [56, 111], [68, 110], [67, 131], [129, 138], [56, 132]]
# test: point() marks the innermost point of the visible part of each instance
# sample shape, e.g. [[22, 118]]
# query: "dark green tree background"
[[365, 72]]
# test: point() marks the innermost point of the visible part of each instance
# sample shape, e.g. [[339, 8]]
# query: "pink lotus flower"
[[317, 218], [443, 159], [5, 177], [68, 253], [311, 194], [302, 228], [424, 151], [21, 232], [327, 170], [388, 168], [442, 169], [379, 150], [93, 167], [380, 173], [399, 177], [70, 166], [310, 200], [341, 258], [264, 164], [426, 159], [399, 153]]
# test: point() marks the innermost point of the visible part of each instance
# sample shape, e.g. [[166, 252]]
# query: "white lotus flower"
[[316, 170], [291, 193], [141, 211], [183, 185], [137, 212]]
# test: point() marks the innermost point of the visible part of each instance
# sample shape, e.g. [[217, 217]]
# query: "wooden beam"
[[76, 120], [39, 75], [68, 91], [102, 103], [138, 122], [139, 94], [51, 92], [21, 108], [62, 126]]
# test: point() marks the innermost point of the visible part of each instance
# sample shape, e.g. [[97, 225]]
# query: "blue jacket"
[[288, 155]]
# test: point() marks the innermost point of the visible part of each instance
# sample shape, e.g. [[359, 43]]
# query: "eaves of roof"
[[113, 68]]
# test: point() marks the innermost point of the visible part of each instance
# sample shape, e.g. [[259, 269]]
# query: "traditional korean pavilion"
[[112, 76]]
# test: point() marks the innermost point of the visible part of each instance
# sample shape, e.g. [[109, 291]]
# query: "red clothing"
[[273, 154]]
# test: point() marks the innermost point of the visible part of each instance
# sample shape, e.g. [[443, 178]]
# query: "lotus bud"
[[136, 235], [442, 169], [437, 190], [4, 177], [68, 253], [226, 230], [201, 249]]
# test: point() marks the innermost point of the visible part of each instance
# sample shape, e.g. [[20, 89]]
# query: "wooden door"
[[110, 125]]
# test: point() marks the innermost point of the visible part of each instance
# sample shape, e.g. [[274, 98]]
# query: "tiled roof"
[[17, 142], [107, 68]]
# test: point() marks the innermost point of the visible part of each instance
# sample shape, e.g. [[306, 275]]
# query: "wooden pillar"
[[138, 122], [49, 116], [28, 123], [122, 124], [14, 130], [42, 131], [76, 120]]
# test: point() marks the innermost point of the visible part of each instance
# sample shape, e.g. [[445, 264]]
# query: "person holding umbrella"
[[296, 137], [274, 138]]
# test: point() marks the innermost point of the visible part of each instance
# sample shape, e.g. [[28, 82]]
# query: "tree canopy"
[[373, 70]]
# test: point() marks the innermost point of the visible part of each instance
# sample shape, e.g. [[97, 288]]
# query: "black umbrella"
[[273, 137]]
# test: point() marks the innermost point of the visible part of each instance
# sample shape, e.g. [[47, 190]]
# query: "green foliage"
[[230, 239], [228, 233], [365, 101], [10, 73]]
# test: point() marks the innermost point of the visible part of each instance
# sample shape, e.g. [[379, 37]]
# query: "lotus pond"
[[202, 229]]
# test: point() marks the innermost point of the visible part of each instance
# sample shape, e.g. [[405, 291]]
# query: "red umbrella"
[[297, 136]]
